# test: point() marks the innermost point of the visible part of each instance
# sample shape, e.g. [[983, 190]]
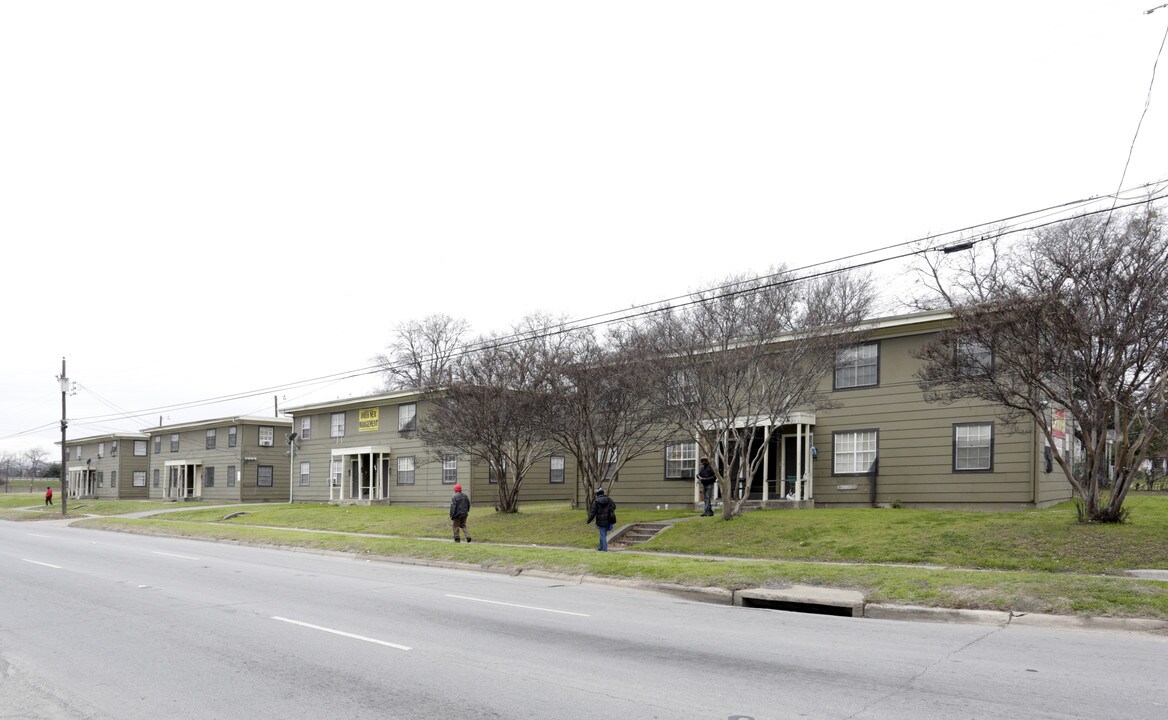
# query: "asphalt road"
[[105, 625]]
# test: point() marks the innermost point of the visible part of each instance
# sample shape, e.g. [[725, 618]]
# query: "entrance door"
[[791, 471]]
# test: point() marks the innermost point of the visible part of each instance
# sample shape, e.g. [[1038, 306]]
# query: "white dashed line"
[[184, 557], [35, 562], [525, 607], [341, 633]]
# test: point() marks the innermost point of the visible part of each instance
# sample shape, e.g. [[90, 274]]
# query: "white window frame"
[[306, 428], [406, 470], [337, 425], [336, 472], [681, 460], [100, 450], [407, 417], [139, 478], [267, 435], [973, 447], [449, 469], [140, 448], [854, 451], [854, 365], [305, 472], [556, 469]]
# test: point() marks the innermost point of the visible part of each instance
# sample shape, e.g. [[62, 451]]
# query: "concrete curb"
[[796, 594]]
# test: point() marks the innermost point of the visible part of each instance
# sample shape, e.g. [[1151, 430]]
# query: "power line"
[[785, 276]]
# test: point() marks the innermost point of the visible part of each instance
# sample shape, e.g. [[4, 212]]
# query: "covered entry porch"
[[184, 480], [360, 475], [784, 477], [82, 482]]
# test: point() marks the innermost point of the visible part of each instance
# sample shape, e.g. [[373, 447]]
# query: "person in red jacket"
[[48, 496]]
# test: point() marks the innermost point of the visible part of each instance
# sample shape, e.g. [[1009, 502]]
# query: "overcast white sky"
[[201, 199]]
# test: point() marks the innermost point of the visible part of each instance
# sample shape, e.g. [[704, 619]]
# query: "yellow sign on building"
[[368, 419]]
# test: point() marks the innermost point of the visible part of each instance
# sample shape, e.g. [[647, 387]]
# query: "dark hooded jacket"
[[603, 510]]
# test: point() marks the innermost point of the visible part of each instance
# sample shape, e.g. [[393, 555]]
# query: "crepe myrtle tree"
[[1073, 321], [744, 354], [604, 414], [496, 404], [422, 352]]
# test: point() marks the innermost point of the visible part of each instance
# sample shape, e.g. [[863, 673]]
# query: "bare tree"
[[1074, 320], [495, 407], [34, 462], [742, 356], [422, 352], [603, 393]]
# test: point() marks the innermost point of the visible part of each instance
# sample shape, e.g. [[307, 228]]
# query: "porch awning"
[[366, 450]]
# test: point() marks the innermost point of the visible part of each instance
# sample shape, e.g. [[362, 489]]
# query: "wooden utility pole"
[[64, 450]]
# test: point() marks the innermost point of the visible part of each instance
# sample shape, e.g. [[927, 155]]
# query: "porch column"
[[810, 465], [766, 463], [799, 461]]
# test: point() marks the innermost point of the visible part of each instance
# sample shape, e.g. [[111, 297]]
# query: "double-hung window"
[[264, 474], [208, 477], [407, 417], [858, 366], [305, 467], [681, 460], [139, 478], [305, 428], [232, 436], [556, 472], [139, 448], [973, 447], [174, 442], [212, 436], [267, 435], [337, 425], [853, 452], [449, 469], [405, 470]]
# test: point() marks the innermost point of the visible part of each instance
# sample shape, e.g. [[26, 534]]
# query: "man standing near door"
[[708, 479]]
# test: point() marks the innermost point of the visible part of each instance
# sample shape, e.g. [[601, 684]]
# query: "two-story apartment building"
[[879, 442], [367, 450], [108, 467], [233, 459]]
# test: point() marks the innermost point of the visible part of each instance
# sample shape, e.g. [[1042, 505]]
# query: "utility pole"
[[64, 450]]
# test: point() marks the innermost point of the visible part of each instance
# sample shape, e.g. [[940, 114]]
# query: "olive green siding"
[[246, 457], [536, 487]]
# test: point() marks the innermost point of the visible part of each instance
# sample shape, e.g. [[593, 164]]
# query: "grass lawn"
[[77, 508]]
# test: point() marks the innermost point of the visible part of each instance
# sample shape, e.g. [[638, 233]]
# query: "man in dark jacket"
[[707, 478], [603, 510], [459, 509]]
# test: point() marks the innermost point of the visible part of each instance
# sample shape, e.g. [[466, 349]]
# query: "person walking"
[[707, 478], [48, 496], [459, 509], [603, 510]]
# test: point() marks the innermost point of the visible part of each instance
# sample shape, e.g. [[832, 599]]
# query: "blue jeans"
[[603, 537]]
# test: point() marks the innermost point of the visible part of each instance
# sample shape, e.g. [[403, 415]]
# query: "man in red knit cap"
[[459, 509]]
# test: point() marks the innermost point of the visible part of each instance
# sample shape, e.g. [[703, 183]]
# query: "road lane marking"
[[184, 557], [525, 607], [375, 641], [50, 537], [34, 562]]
